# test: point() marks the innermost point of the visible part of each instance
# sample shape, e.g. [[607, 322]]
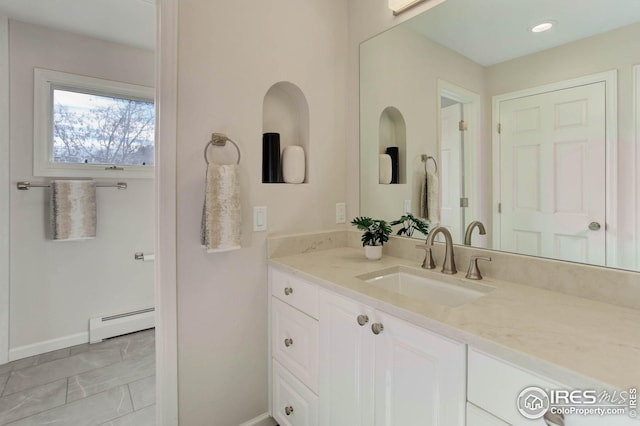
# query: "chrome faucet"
[[449, 264], [472, 225]]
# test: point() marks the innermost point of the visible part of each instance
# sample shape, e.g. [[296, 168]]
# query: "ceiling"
[[493, 31], [130, 22]]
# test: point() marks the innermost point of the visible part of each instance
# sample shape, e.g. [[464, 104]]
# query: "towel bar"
[[25, 186], [219, 139], [425, 158]]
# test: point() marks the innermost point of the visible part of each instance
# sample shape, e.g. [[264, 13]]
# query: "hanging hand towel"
[[73, 210], [221, 217], [424, 207], [433, 198], [430, 198]]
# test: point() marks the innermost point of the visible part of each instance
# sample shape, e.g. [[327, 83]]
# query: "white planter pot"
[[373, 252]]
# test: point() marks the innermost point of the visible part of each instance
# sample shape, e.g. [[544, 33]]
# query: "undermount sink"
[[421, 285]]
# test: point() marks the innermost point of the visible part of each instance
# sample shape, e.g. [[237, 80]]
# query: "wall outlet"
[[259, 219], [341, 212], [407, 207]]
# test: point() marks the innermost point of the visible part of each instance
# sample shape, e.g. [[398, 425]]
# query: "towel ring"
[[220, 139], [425, 158]]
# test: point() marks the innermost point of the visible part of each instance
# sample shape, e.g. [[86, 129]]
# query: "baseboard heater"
[[104, 327]]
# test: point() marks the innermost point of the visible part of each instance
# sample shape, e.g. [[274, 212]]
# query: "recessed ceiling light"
[[542, 27]]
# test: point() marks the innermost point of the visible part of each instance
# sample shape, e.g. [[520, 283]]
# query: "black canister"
[[394, 153], [271, 158]]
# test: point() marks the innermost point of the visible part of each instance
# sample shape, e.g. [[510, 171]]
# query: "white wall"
[[4, 189], [614, 50], [230, 54], [57, 286]]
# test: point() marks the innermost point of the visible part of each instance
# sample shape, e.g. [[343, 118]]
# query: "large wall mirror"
[[501, 126]]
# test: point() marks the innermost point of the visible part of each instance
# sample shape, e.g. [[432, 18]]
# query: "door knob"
[[377, 328], [594, 226], [288, 291], [288, 342], [362, 320], [288, 410]]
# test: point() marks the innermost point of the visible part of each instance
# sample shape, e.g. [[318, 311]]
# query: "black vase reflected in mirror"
[[393, 152]]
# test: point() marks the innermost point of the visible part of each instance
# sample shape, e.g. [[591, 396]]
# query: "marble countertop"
[[575, 341]]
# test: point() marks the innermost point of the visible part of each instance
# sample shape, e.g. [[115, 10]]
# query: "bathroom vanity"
[[346, 350]]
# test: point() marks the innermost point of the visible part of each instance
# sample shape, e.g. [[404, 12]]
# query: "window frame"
[[45, 81]]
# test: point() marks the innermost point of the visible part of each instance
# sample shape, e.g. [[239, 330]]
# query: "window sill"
[[94, 171]]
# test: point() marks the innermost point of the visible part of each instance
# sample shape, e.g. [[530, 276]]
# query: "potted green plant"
[[410, 224], [376, 233]]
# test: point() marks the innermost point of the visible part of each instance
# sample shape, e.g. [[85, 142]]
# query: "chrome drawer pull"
[[288, 291], [288, 342], [362, 320], [288, 410], [377, 328]]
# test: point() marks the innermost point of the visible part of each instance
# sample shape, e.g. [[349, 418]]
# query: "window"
[[89, 127]]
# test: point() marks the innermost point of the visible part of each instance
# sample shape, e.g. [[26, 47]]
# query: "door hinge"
[[499, 128], [462, 126], [464, 202], [499, 207]]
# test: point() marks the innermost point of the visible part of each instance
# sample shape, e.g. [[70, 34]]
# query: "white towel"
[[221, 217], [72, 210], [430, 198]]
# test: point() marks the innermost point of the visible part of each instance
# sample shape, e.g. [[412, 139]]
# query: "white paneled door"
[[552, 166]]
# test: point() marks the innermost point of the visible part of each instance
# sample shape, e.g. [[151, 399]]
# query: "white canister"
[[384, 169], [293, 165]]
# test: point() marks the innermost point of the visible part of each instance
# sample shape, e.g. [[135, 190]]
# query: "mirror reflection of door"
[[452, 159], [459, 133], [552, 168]]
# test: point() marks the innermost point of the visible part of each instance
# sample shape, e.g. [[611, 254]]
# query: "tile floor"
[[110, 383]]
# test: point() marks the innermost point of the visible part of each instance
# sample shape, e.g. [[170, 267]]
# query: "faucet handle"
[[473, 273], [428, 262]]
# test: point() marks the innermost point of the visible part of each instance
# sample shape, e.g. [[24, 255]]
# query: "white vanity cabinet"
[[376, 369], [294, 350], [493, 387]]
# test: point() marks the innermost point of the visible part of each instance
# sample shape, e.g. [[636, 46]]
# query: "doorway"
[[458, 125], [7, 182]]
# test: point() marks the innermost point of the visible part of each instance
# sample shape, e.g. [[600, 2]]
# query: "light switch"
[[341, 212], [260, 218]]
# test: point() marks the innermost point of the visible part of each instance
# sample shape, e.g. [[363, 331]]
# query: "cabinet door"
[[420, 376], [346, 362]]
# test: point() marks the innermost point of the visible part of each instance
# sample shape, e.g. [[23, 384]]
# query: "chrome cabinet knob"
[[288, 342], [377, 328], [594, 226], [288, 410], [362, 320], [288, 291]]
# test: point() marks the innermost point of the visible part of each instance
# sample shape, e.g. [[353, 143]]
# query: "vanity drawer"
[[294, 291], [494, 386], [293, 403], [294, 342]]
